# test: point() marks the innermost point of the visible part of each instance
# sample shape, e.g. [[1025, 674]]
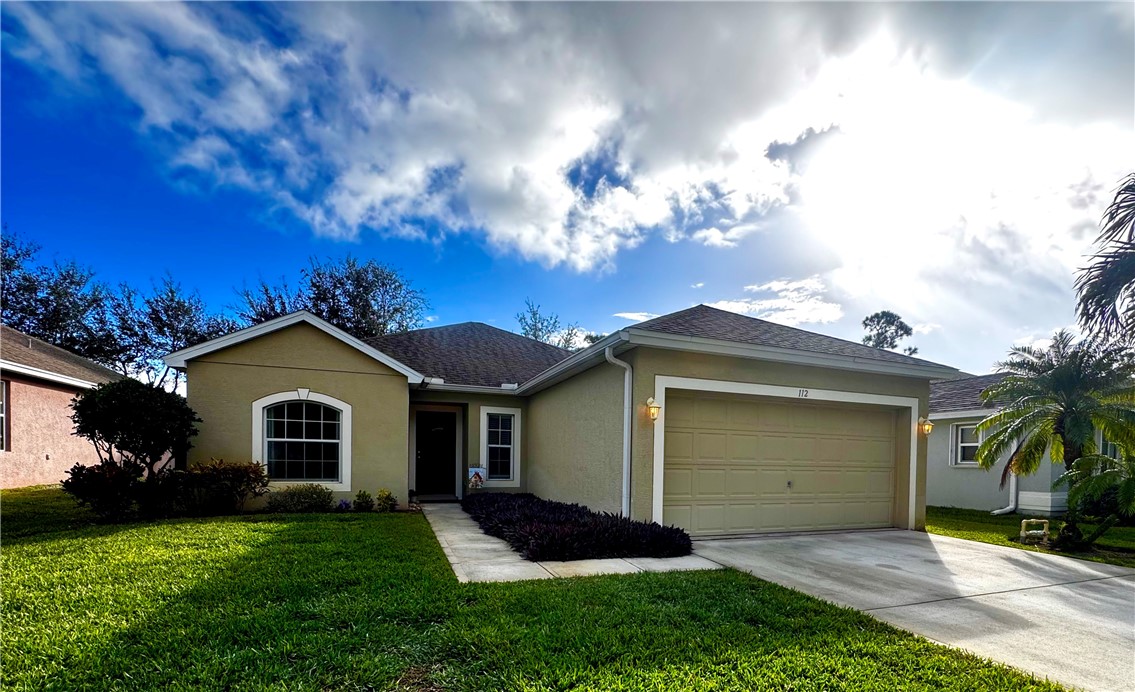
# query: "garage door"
[[743, 464]]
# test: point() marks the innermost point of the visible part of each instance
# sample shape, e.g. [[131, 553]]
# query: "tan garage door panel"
[[745, 464]]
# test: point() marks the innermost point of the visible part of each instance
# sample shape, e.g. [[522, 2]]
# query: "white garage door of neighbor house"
[[746, 464]]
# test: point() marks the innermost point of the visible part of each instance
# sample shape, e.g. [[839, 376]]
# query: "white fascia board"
[[38, 373], [785, 355], [968, 413], [576, 362], [178, 359], [469, 389]]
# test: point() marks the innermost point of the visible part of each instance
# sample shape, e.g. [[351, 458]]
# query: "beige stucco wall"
[[41, 446], [649, 362], [575, 435], [470, 405], [222, 386]]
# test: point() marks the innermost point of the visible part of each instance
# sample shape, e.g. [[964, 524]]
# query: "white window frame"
[[956, 443], [302, 394], [514, 480]]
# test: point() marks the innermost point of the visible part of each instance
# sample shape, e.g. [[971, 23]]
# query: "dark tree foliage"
[[885, 329], [365, 299], [1107, 287], [60, 303], [131, 422]]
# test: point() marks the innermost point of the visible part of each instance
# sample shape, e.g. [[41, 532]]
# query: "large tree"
[[1054, 400], [362, 298], [546, 327], [60, 303], [885, 329], [1107, 287]]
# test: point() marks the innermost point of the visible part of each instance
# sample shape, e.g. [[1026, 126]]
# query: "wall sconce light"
[[653, 407], [925, 425]]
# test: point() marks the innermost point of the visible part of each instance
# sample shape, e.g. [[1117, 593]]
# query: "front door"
[[436, 462]]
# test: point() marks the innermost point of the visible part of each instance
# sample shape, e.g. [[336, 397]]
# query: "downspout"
[[1012, 497], [628, 419]]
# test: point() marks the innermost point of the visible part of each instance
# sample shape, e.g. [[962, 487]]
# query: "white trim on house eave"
[[38, 373], [575, 363], [178, 359], [963, 414], [642, 337], [468, 388]]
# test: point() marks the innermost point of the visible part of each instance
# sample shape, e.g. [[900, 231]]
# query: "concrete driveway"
[[1068, 620]]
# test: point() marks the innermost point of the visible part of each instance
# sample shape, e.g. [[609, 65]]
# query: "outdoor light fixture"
[[925, 425], [653, 407]]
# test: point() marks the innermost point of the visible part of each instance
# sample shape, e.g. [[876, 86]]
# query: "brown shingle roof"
[[963, 394], [710, 323], [471, 353], [19, 348]]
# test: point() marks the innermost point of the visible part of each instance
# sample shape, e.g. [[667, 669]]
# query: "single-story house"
[[954, 479], [705, 419], [37, 383]]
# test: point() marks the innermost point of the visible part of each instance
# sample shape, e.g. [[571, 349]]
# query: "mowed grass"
[[360, 602], [1116, 547]]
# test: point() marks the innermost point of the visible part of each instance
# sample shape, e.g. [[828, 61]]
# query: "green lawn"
[[360, 602], [1116, 547]]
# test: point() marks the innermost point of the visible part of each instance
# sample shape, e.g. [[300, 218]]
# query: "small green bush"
[[111, 490], [305, 497], [219, 487], [363, 502], [384, 501]]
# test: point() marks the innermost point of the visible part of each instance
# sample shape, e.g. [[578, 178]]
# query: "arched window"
[[301, 436], [301, 441]]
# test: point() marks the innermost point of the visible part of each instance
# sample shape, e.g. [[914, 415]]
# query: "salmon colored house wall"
[[39, 445]]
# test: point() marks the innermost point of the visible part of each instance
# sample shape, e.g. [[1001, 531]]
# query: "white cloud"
[[729, 237], [698, 284], [431, 318], [635, 316], [796, 302], [926, 327]]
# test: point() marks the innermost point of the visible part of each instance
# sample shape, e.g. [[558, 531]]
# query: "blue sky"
[[946, 162]]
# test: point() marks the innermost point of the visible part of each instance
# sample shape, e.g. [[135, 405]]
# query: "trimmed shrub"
[[305, 497], [384, 501], [218, 487], [545, 530], [109, 489], [363, 502]]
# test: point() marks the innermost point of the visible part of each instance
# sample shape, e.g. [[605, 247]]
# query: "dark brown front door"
[[436, 463]]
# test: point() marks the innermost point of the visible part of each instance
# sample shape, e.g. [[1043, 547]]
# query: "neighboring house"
[[37, 383], [953, 478], [760, 427]]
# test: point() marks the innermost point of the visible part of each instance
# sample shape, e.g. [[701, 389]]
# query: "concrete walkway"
[[478, 557], [1069, 620]]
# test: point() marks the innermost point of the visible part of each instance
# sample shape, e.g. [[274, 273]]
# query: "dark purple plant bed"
[[546, 530]]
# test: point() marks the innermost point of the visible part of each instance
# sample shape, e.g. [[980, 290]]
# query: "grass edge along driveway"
[[344, 601]]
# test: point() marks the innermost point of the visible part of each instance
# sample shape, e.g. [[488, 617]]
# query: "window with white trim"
[[500, 446], [302, 441], [1109, 449], [966, 441]]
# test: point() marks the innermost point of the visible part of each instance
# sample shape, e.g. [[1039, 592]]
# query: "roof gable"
[[471, 353], [36, 358], [179, 359]]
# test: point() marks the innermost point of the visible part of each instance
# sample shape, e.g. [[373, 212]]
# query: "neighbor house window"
[[500, 446], [966, 442], [302, 441], [301, 436], [1109, 449]]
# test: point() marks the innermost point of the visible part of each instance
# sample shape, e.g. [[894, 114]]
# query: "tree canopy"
[[885, 329], [1107, 287], [546, 327]]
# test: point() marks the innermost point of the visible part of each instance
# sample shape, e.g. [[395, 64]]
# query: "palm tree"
[[1094, 476], [1054, 400], [1107, 287]]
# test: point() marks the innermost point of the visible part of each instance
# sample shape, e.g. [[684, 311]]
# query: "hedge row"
[[546, 530]]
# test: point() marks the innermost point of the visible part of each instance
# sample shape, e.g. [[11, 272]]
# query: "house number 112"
[[802, 393]]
